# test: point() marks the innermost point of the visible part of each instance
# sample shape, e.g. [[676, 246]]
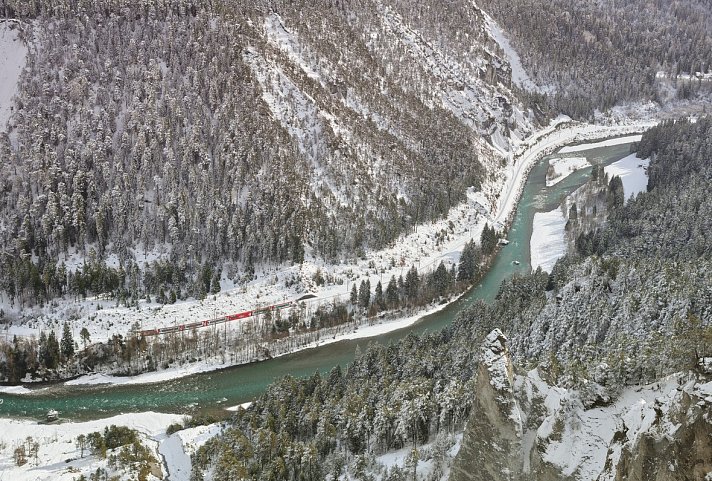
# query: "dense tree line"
[[635, 309], [138, 133], [599, 54]]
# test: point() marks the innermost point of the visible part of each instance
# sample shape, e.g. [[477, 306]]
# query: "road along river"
[[211, 392]]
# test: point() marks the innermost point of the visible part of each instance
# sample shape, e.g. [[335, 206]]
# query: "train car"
[[239, 315], [210, 322]]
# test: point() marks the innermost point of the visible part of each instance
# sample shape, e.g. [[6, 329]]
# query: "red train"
[[212, 322]]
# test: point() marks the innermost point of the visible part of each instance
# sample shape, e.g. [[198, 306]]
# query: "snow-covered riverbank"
[[425, 249], [560, 168], [633, 171], [59, 458], [548, 241]]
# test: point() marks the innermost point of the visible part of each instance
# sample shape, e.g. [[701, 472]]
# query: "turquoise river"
[[211, 392]]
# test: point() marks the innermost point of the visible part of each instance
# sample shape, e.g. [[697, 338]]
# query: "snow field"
[[12, 60], [633, 172], [548, 241], [58, 444], [562, 167]]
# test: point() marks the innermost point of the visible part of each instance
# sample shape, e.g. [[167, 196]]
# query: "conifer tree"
[[67, 342]]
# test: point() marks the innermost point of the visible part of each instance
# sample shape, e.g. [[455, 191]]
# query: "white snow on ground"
[[563, 167], [604, 143], [424, 248], [633, 171], [519, 74], [177, 448], [12, 60], [548, 242], [586, 436], [14, 390], [365, 331], [58, 444], [426, 463]]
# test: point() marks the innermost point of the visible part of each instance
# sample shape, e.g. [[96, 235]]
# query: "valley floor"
[[425, 249]]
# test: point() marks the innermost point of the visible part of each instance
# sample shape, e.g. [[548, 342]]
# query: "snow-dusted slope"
[[633, 172], [12, 60], [533, 430]]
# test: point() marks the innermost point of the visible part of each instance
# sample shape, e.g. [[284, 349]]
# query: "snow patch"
[[562, 167], [633, 171], [58, 444], [13, 53], [14, 390], [548, 242]]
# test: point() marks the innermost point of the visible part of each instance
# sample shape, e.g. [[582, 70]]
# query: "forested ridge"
[[597, 54], [617, 312], [215, 136]]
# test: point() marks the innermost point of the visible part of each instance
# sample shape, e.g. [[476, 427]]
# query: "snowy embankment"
[[177, 448], [59, 457], [425, 248], [12, 60], [560, 168], [604, 143], [548, 242], [633, 171]]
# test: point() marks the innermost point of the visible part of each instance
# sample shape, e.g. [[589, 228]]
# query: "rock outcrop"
[[493, 436], [522, 428]]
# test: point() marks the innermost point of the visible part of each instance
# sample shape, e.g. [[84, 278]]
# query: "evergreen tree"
[[364, 295], [354, 294], [84, 335], [392, 293], [43, 353], [615, 197], [67, 342], [488, 240], [378, 298], [441, 280], [51, 360], [412, 284], [467, 266]]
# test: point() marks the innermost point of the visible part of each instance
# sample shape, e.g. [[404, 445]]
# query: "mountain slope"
[[234, 134]]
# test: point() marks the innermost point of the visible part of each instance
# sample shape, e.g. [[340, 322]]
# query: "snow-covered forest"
[[154, 151], [159, 146], [631, 306], [595, 55]]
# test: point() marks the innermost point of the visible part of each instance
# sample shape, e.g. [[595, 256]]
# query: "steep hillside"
[[601, 332], [237, 134], [595, 55], [521, 427]]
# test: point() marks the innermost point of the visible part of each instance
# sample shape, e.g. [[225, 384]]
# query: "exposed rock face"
[[522, 428], [493, 436], [677, 446]]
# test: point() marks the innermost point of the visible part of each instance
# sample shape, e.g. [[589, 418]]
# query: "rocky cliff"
[[522, 428]]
